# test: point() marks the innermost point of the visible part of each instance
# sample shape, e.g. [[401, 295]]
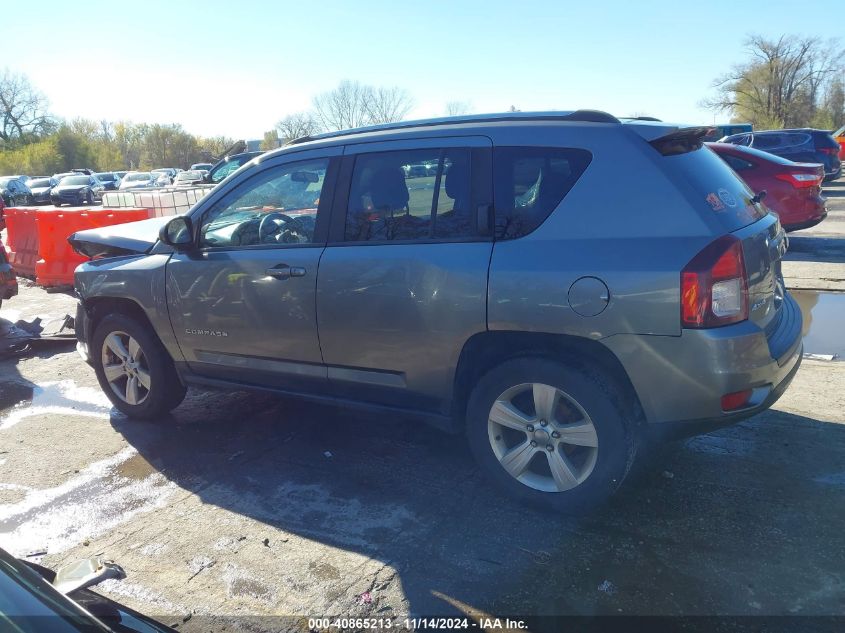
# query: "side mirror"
[[177, 233]]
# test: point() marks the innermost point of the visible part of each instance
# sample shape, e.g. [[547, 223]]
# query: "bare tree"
[[387, 105], [457, 108], [23, 110], [782, 82], [353, 104], [344, 107], [297, 125]]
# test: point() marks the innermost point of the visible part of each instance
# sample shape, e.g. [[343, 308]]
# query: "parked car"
[[202, 166], [14, 192], [36, 598], [804, 145], [189, 178], [138, 180], [110, 180], [488, 301], [839, 137], [229, 165], [78, 190], [170, 172], [793, 190], [163, 179], [40, 187], [727, 129]]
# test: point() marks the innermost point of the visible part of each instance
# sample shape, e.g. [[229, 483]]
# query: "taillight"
[[800, 181], [829, 150], [714, 286]]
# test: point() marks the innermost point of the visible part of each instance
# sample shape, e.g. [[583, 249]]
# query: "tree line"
[[786, 82]]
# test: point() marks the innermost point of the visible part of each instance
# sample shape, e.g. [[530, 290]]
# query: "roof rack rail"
[[591, 116]]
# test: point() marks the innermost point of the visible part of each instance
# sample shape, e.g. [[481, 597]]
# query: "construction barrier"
[[22, 242], [163, 202], [56, 259]]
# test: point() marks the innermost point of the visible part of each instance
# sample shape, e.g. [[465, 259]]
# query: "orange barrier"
[[56, 259], [22, 246]]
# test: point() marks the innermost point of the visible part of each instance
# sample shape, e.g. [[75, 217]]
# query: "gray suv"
[[559, 286]]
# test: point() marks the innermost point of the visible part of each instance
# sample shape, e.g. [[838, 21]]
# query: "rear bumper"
[[805, 224], [680, 380]]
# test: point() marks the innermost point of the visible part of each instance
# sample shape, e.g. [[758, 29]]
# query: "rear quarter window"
[[718, 191], [530, 182]]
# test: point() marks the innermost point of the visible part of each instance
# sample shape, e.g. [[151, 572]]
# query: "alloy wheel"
[[542, 437], [125, 368]]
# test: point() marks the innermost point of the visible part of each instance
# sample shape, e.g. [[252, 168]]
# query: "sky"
[[235, 67]]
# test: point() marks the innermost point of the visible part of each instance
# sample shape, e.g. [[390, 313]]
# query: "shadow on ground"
[[744, 521], [808, 248]]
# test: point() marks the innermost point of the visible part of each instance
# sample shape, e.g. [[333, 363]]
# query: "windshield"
[[5, 181], [189, 175], [107, 177], [137, 177], [39, 182], [74, 180]]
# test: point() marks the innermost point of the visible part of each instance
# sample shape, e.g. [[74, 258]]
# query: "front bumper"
[[82, 325], [680, 380]]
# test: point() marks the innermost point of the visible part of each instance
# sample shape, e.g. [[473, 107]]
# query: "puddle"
[[824, 322], [93, 502], [19, 401], [15, 394]]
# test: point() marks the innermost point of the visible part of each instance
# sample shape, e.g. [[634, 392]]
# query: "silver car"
[[562, 288]]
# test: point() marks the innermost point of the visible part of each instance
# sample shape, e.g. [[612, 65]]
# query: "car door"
[[403, 281], [242, 303]]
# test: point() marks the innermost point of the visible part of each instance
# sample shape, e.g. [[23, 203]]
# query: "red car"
[[793, 190]]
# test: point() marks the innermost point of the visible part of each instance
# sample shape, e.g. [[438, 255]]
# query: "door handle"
[[283, 271]]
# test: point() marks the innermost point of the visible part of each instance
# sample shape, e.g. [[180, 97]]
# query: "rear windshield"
[[824, 139], [39, 182], [767, 156], [716, 187]]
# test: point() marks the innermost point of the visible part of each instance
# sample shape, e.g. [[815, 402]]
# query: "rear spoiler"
[[681, 141]]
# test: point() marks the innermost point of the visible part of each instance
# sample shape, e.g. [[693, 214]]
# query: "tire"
[[163, 391], [589, 413]]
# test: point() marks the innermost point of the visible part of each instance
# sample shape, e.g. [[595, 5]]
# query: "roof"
[[591, 116]]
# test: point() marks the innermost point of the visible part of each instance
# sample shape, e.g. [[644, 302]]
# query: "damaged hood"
[[132, 238]]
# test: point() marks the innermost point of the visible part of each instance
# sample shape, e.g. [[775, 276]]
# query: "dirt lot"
[[241, 504]]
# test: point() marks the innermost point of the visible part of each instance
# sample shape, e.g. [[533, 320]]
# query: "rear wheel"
[[549, 434], [133, 368]]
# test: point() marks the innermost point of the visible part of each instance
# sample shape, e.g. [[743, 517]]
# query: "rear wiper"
[[758, 197]]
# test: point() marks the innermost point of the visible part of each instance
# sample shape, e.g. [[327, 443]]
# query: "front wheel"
[[134, 369], [550, 434], [89, 197]]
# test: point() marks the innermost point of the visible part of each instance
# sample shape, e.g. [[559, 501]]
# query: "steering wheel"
[[263, 227]]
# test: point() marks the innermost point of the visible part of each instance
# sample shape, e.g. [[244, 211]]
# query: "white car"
[[138, 180]]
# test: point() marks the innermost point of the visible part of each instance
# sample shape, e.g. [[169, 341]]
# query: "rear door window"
[[410, 195], [530, 182], [718, 190]]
